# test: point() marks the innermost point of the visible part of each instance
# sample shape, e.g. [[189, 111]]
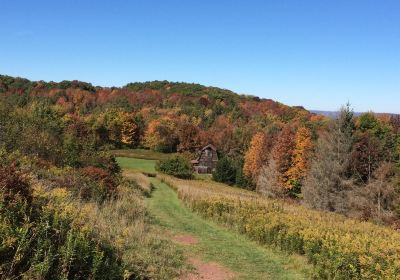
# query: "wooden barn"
[[206, 161]]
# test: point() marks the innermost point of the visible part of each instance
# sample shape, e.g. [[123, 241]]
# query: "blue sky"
[[319, 54]]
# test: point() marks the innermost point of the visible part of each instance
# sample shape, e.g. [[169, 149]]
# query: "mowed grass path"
[[218, 244], [137, 164]]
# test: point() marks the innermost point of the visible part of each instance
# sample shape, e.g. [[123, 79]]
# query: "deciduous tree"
[[188, 136], [255, 156], [282, 154], [160, 135], [267, 182], [301, 156], [129, 130]]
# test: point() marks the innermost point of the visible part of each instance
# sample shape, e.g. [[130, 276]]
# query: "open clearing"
[[141, 154], [137, 164]]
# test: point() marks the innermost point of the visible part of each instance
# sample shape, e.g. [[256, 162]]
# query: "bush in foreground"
[[42, 236], [176, 166], [49, 230]]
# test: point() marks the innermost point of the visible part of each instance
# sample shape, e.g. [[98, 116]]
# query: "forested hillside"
[[348, 165], [162, 116], [64, 205]]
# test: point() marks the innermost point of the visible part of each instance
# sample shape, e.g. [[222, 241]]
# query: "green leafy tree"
[[71, 151], [241, 179]]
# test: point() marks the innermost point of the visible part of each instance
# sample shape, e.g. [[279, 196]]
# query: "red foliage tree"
[[12, 186], [188, 136], [102, 177]]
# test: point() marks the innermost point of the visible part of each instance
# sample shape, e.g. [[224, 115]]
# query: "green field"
[[217, 244], [140, 154], [142, 165]]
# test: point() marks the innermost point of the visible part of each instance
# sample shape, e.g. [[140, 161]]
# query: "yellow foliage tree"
[[151, 136], [128, 130]]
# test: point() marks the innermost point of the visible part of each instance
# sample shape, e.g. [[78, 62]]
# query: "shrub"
[[105, 184], [12, 186], [176, 166], [47, 232], [102, 160]]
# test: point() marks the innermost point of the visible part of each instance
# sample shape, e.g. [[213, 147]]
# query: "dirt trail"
[[203, 270], [208, 271], [185, 239]]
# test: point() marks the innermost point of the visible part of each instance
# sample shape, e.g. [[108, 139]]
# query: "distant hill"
[[194, 100], [330, 114], [183, 116], [334, 114]]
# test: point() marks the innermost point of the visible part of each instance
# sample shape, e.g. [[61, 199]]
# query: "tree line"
[[352, 168], [348, 165]]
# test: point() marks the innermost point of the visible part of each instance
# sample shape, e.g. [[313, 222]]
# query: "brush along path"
[[217, 244]]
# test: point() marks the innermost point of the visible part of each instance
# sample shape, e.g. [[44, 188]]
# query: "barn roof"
[[209, 146], [197, 160]]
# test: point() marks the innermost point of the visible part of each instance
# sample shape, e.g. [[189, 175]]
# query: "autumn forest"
[[64, 134]]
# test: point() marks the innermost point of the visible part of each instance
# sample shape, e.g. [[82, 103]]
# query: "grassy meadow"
[[216, 243], [137, 164], [337, 247], [141, 154]]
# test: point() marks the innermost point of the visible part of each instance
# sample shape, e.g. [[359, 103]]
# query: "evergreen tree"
[[328, 182], [225, 171], [177, 166]]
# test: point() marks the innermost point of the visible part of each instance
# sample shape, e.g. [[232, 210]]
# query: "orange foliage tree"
[[283, 155], [301, 155], [151, 136], [160, 135], [255, 156]]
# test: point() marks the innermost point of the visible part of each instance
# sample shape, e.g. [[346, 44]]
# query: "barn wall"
[[207, 162]]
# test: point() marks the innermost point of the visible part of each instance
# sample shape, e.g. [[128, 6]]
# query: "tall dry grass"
[[139, 180], [122, 222], [338, 247]]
